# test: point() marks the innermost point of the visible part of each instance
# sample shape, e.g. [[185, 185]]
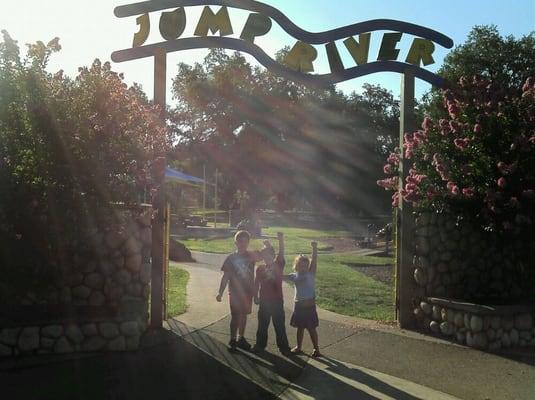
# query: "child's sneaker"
[[316, 353], [232, 345], [286, 351], [256, 349], [243, 344]]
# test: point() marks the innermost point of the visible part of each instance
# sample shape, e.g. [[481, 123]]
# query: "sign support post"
[[158, 222], [405, 223]]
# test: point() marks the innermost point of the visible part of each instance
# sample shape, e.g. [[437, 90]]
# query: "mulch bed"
[[340, 244], [381, 273]]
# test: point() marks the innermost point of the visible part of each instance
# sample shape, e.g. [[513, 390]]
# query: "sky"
[[88, 30]]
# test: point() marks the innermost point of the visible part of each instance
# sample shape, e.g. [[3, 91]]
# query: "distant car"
[[195, 220]]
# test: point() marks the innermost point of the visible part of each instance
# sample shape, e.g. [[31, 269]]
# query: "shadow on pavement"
[[524, 355], [357, 375], [292, 377], [172, 369], [273, 375]]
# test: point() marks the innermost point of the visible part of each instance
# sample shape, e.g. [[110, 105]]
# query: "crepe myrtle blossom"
[[506, 169], [453, 109], [453, 188], [393, 158], [427, 124], [440, 167], [395, 198], [461, 144], [445, 127], [389, 183], [455, 126], [492, 123]]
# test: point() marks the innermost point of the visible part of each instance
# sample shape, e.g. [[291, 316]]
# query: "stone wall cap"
[[481, 308]]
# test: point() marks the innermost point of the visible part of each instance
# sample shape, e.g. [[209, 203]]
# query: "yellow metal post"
[[405, 225], [158, 259], [167, 231]]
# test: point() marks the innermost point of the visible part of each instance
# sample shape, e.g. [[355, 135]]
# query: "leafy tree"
[[505, 61], [274, 138]]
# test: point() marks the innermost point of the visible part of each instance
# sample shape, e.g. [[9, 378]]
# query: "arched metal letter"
[[359, 50], [335, 62], [172, 24], [421, 50], [144, 28], [214, 22], [388, 49], [301, 57], [256, 25]]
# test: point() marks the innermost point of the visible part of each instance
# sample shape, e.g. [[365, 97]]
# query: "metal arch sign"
[[299, 62], [297, 66]]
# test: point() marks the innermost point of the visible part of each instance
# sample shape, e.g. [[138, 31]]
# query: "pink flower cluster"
[[389, 183], [412, 141], [461, 144], [450, 155], [441, 167]]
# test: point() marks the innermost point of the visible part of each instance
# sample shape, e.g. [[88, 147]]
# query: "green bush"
[[69, 149]]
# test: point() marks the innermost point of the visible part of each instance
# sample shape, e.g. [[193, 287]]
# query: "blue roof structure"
[[175, 175]]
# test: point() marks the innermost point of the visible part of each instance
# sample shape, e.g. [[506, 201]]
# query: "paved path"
[[364, 359]]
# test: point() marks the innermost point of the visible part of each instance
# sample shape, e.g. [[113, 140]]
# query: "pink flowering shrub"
[[479, 161], [69, 150]]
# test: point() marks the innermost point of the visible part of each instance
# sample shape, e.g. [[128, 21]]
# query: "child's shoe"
[[316, 353], [232, 345], [257, 350], [243, 344], [286, 351]]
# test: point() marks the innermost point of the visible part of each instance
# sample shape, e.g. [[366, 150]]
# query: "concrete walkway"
[[363, 359]]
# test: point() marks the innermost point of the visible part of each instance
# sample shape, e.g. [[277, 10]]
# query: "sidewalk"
[[190, 360], [426, 367]]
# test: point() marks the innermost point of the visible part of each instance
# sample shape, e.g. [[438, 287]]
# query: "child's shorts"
[[240, 305], [305, 315]]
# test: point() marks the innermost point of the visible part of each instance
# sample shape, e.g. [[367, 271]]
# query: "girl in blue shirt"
[[305, 315]]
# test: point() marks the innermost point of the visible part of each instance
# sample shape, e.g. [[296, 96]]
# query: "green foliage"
[[504, 61], [68, 149], [279, 140], [343, 290]]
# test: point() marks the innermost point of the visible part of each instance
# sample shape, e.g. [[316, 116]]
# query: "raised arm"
[[280, 237], [314, 262]]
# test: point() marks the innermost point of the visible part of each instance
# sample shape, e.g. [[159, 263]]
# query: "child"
[[238, 272], [305, 315], [268, 282]]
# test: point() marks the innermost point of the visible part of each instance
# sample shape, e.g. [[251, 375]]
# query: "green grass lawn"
[[176, 300], [297, 240], [343, 290]]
